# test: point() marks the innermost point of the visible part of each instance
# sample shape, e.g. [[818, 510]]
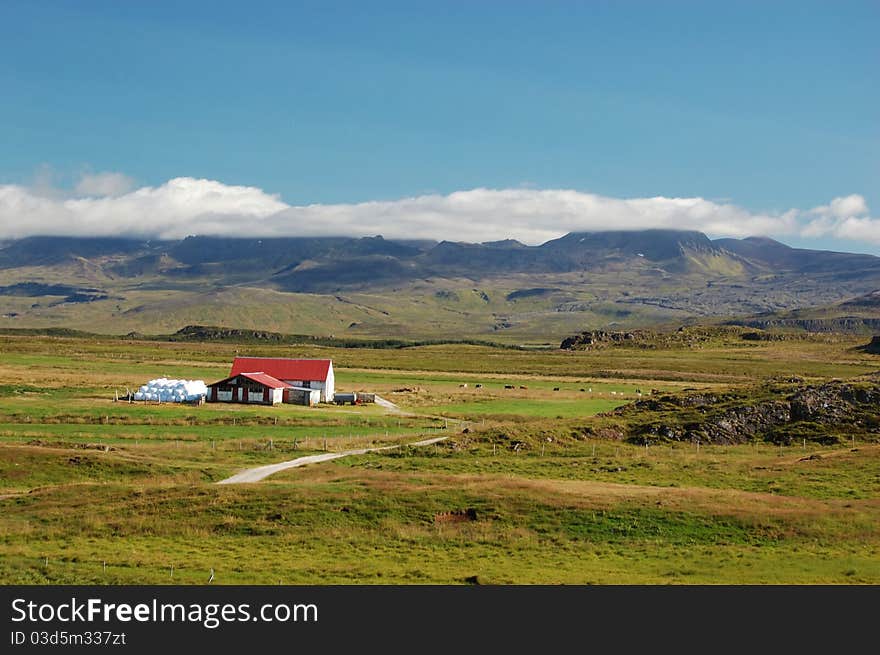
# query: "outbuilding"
[[302, 396], [258, 388]]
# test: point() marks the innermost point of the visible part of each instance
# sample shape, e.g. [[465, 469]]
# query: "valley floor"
[[521, 491]]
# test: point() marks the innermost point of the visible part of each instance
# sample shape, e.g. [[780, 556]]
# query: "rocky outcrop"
[[211, 333], [593, 338], [846, 324], [771, 336], [778, 413], [692, 336]]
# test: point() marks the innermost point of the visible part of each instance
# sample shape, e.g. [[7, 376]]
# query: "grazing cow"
[[555, 388], [508, 386]]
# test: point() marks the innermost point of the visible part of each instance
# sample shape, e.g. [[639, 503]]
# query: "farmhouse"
[[270, 381], [314, 374]]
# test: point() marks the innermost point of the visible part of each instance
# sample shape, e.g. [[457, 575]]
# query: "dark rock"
[[845, 324], [815, 412], [602, 337]]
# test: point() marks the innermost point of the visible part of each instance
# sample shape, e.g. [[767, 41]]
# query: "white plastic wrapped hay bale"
[[172, 391], [193, 389]]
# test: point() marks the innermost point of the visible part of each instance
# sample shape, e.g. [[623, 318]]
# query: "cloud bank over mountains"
[[108, 204]]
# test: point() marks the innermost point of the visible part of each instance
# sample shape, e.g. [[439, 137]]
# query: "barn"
[[256, 388], [302, 373]]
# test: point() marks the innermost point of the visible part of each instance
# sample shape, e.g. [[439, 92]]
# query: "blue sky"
[[767, 106]]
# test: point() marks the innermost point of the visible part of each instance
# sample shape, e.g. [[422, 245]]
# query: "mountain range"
[[373, 286]]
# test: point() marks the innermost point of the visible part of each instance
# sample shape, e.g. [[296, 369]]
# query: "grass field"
[[540, 408], [97, 491]]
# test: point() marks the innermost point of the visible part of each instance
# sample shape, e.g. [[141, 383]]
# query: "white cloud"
[[862, 229], [531, 216], [185, 206], [179, 207], [104, 184], [844, 218], [846, 206]]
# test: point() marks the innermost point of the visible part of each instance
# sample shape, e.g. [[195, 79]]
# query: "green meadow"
[[521, 491], [538, 408]]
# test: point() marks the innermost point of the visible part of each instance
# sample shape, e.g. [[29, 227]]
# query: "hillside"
[[855, 315], [370, 287]]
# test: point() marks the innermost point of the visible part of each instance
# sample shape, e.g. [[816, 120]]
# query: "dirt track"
[[260, 472]]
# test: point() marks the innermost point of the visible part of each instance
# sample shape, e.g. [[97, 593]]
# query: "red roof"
[[283, 369], [266, 380], [261, 378]]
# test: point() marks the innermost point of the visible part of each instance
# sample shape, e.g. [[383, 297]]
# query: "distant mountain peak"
[[765, 240], [653, 244], [504, 243]]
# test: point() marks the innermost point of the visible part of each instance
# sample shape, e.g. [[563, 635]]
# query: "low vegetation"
[[618, 464]]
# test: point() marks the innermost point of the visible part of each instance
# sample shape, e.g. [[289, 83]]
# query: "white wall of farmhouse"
[[327, 389]]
